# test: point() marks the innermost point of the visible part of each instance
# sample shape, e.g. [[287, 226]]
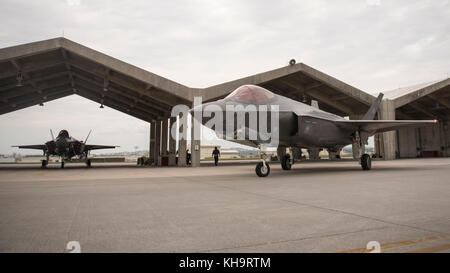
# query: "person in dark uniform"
[[188, 157], [216, 154]]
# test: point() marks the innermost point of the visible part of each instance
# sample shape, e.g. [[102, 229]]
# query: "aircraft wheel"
[[62, 164], [366, 162], [286, 163], [261, 170], [44, 163], [88, 163]]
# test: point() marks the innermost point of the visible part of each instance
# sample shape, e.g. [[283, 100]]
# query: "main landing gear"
[[364, 159], [366, 162], [88, 163], [45, 161], [286, 162]]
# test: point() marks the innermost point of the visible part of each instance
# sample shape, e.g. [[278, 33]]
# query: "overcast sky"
[[374, 45]]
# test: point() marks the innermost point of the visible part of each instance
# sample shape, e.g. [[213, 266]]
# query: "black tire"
[[366, 162], [62, 164], [286, 163], [88, 163], [261, 171], [44, 163]]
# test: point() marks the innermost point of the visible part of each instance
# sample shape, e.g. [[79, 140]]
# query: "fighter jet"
[[299, 125], [66, 147]]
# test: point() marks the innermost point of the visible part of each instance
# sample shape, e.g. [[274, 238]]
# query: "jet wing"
[[379, 126], [36, 147], [89, 147]]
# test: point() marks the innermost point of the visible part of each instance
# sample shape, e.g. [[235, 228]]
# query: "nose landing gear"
[[262, 168]]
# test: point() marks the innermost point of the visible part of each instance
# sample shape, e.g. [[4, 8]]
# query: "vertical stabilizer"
[[315, 104], [373, 108]]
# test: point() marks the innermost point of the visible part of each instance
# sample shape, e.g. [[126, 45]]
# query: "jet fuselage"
[[300, 124], [65, 146]]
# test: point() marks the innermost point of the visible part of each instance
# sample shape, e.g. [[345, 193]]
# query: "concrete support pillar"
[[446, 136], [164, 137], [182, 143], [157, 146], [443, 138], [172, 142], [182, 146], [281, 151], [389, 139], [195, 142], [151, 149], [355, 146], [314, 154]]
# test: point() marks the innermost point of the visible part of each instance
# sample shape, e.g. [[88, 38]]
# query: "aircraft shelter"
[[38, 72]]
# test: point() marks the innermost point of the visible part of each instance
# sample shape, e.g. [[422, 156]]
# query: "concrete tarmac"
[[404, 205]]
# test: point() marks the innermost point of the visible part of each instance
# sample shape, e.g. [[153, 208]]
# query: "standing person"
[[188, 157], [216, 154]]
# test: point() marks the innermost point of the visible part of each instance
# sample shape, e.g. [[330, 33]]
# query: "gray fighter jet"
[[66, 147], [300, 125]]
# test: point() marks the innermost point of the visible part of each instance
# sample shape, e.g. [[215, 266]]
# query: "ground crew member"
[[188, 157], [216, 154]]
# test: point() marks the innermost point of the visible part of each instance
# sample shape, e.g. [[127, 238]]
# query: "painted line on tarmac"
[[432, 249], [400, 244]]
